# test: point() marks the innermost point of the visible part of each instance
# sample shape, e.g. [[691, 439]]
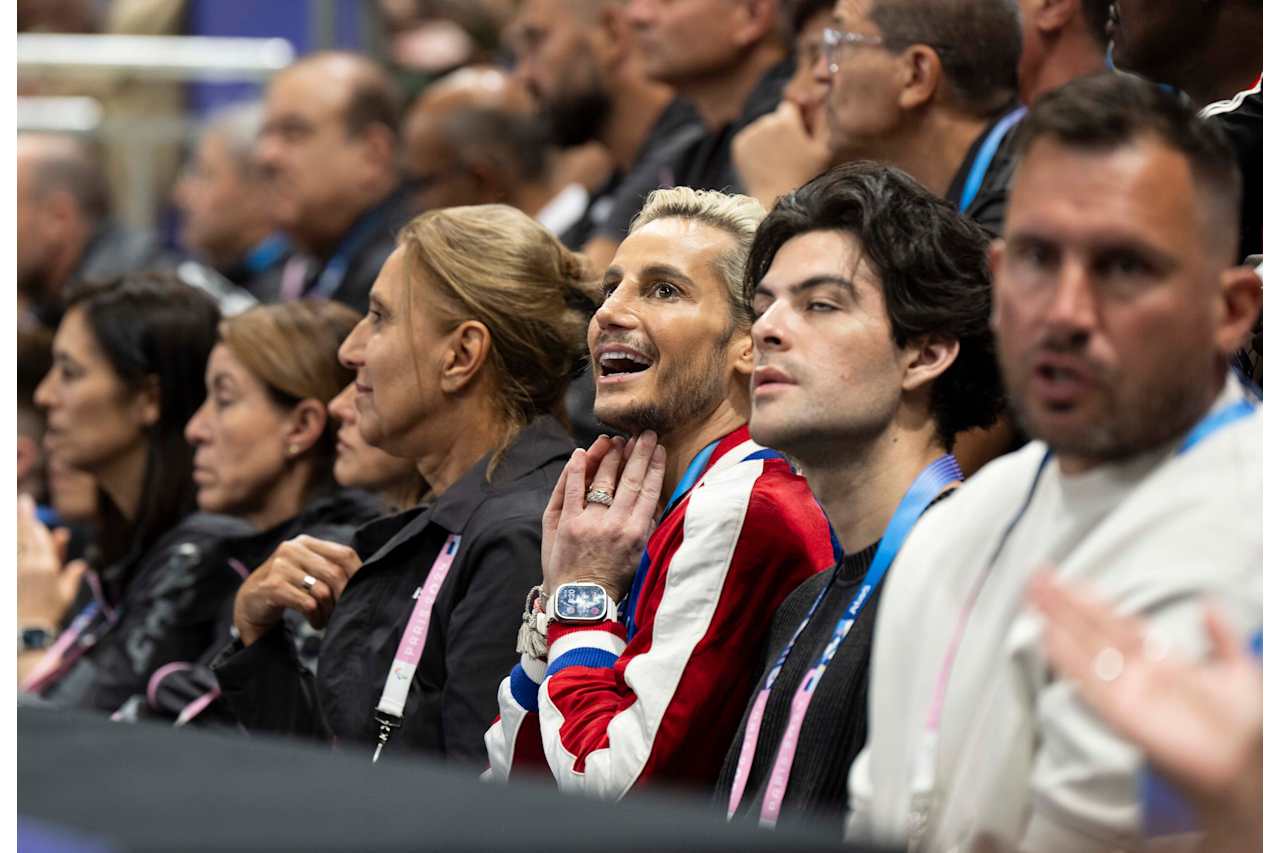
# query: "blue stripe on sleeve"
[[598, 658], [524, 689]]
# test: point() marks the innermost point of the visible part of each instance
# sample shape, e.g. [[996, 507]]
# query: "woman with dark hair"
[[265, 449], [470, 340], [126, 377]]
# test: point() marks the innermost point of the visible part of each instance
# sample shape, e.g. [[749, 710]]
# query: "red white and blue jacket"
[[657, 695]]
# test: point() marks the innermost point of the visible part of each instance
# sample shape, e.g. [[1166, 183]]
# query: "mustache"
[[1073, 344], [639, 346]]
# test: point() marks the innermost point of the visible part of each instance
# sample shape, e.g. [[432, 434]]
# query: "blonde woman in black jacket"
[[474, 329]]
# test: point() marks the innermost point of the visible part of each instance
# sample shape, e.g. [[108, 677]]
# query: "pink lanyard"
[[70, 645], [930, 483], [395, 692]]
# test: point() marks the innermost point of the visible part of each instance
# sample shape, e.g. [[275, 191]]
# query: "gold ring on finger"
[[600, 496]]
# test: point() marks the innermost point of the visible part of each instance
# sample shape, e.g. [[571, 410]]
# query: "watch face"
[[581, 603]]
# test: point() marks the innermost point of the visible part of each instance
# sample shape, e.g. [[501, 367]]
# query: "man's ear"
[[927, 359], [1241, 300], [1051, 16], [742, 354], [753, 21], [380, 146], [995, 261], [464, 356], [307, 423], [612, 35], [920, 75]]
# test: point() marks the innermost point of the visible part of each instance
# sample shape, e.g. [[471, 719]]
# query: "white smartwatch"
[[581, 604]]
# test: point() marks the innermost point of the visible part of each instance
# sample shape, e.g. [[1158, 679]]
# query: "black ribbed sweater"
[[835, 727]]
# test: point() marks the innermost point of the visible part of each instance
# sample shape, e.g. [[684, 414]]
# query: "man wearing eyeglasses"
[[930, 88]]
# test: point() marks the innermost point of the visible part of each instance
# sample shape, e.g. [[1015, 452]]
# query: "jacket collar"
[[541, 443]]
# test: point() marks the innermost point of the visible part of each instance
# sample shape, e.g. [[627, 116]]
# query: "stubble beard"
[[1154, 416], [689, 394]]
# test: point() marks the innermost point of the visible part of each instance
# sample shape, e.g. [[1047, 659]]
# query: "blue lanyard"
[[1216, 421], [335, 270], [924, 490], [266, 253], [1207, 426], [987, 153], [687, 482]]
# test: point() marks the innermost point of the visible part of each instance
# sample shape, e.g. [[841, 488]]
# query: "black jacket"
[[186, 691], [470, 646], [165, 611], [358, 259]]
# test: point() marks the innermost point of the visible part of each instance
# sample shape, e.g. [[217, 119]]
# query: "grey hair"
[[238, 124], [736, 215]]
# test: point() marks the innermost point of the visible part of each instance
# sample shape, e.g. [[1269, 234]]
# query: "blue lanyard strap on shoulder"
[[928, 484], [330, 278], [1216, 421], [1206, 427], [987, 153]]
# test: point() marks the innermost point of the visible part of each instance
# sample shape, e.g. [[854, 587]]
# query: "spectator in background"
[[1061, 40], [226, 215], [796, 133], [265, 449], [460, 363], [66, 500], [472, 139], [1117, 308], [429, 38], [930, 87], [65, 228], [127, 364], [580, 62], [328, 152], [1213, 53], [729, 58]]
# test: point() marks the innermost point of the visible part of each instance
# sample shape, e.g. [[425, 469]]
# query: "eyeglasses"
[[833, 40]]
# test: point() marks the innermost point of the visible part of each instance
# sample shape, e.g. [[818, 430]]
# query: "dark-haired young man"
[[328, 151], [872, 351], [1117, 308]]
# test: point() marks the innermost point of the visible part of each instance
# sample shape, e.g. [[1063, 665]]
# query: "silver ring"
[[1108, 664], [309, 582], [599, 496]]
